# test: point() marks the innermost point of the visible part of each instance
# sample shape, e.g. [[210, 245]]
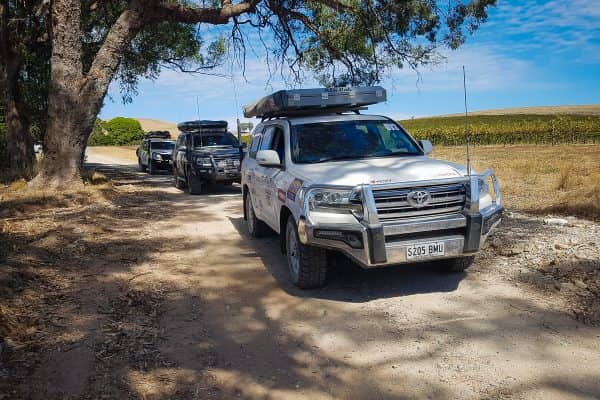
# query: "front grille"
[[444, 199], [227, 161]]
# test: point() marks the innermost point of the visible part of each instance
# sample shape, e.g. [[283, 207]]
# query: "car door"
[[249, 163], [273, 139], [144, 152], [178, 156]]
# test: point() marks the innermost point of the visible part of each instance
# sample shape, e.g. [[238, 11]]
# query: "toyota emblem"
[[418, 198]]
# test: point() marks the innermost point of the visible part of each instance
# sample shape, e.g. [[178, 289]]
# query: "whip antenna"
[[467, 136], [237, 106]]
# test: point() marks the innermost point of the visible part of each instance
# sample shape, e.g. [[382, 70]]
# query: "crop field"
[[507, 129], [542, 180]]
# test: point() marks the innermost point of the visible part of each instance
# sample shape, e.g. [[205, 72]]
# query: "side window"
[[145, 145], [268, 139], [180, 141], [278, 143], [255, 143]]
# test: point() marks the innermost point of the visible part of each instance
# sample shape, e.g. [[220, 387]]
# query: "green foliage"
[[118, 131], [507, 129]]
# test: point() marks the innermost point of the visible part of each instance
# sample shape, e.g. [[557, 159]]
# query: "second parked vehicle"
[[155, 152], [205, 153]]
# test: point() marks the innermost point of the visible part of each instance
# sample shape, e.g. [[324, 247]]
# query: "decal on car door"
[[294, 188]]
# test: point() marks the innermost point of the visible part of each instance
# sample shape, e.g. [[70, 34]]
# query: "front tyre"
[[256, 228], [307, 264], [151, 168], [194, 184], [176, 181], [140, 166]]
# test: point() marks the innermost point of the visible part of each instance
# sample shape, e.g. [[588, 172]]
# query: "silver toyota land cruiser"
[[328, 178]]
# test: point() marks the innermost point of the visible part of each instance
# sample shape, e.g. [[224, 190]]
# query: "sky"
[[528, 53]]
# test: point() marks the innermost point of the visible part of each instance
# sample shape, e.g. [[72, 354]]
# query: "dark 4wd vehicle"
[[205, 153], [155, 152]]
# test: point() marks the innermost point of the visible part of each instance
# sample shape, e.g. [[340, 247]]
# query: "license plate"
[[422, 250]]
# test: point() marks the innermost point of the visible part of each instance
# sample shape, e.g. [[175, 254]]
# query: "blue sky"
[[529, 53]]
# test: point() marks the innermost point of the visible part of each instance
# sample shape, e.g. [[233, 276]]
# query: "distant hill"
[[590, 109], [157, 125]]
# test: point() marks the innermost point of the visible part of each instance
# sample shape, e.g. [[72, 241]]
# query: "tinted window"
[[267, 139], [255, 143], [204, 140], [162, 145], [181, 141], [313, 143]]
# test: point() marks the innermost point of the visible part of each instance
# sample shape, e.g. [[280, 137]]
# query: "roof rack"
[[315, 101], [203, 126], [157, 135]]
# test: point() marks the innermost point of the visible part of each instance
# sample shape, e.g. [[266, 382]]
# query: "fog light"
[[302, 234], [353, 239]]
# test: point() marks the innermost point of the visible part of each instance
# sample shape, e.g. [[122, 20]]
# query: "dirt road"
[[184, 304]]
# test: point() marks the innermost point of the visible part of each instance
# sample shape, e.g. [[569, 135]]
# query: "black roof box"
[[315, 101], [203, 126], [157, 135]]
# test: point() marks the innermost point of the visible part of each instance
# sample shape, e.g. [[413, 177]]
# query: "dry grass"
[[561, 180], [121, 152]]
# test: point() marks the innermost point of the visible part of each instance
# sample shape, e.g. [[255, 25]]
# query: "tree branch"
[[187, 14]]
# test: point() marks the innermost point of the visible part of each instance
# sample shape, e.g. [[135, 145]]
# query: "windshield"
[[346, 140], [162, 145], [203, 140]]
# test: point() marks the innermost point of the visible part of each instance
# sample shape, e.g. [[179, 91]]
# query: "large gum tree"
[[339, 41]]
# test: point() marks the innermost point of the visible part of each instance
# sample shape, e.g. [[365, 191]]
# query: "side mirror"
[[426, 146], [268, 158]]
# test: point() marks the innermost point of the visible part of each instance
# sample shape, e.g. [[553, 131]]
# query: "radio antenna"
[[467, 136], [198, 107]]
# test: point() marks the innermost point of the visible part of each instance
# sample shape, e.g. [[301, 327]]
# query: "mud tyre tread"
[[312, 268], [195, 186]]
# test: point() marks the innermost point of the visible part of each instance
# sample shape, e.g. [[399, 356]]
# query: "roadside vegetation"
[[507, 129], [118, 131]]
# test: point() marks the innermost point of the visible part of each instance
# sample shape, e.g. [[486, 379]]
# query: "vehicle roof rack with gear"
[[157, 135], [203, 126], [315, 101]]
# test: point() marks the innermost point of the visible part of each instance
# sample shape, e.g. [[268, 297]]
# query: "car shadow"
[[130, 175], [347, 282]]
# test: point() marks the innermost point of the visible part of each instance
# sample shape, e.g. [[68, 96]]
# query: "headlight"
[[485, 199], [483, 187], [204, 162], [334, 200], [157, 156]]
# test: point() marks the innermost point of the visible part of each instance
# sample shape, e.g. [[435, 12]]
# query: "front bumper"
[[219, 175], [162, 164], [374, 244]]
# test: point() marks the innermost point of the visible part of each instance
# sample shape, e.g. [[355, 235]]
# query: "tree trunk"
[[20, 155], [61, 168]]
